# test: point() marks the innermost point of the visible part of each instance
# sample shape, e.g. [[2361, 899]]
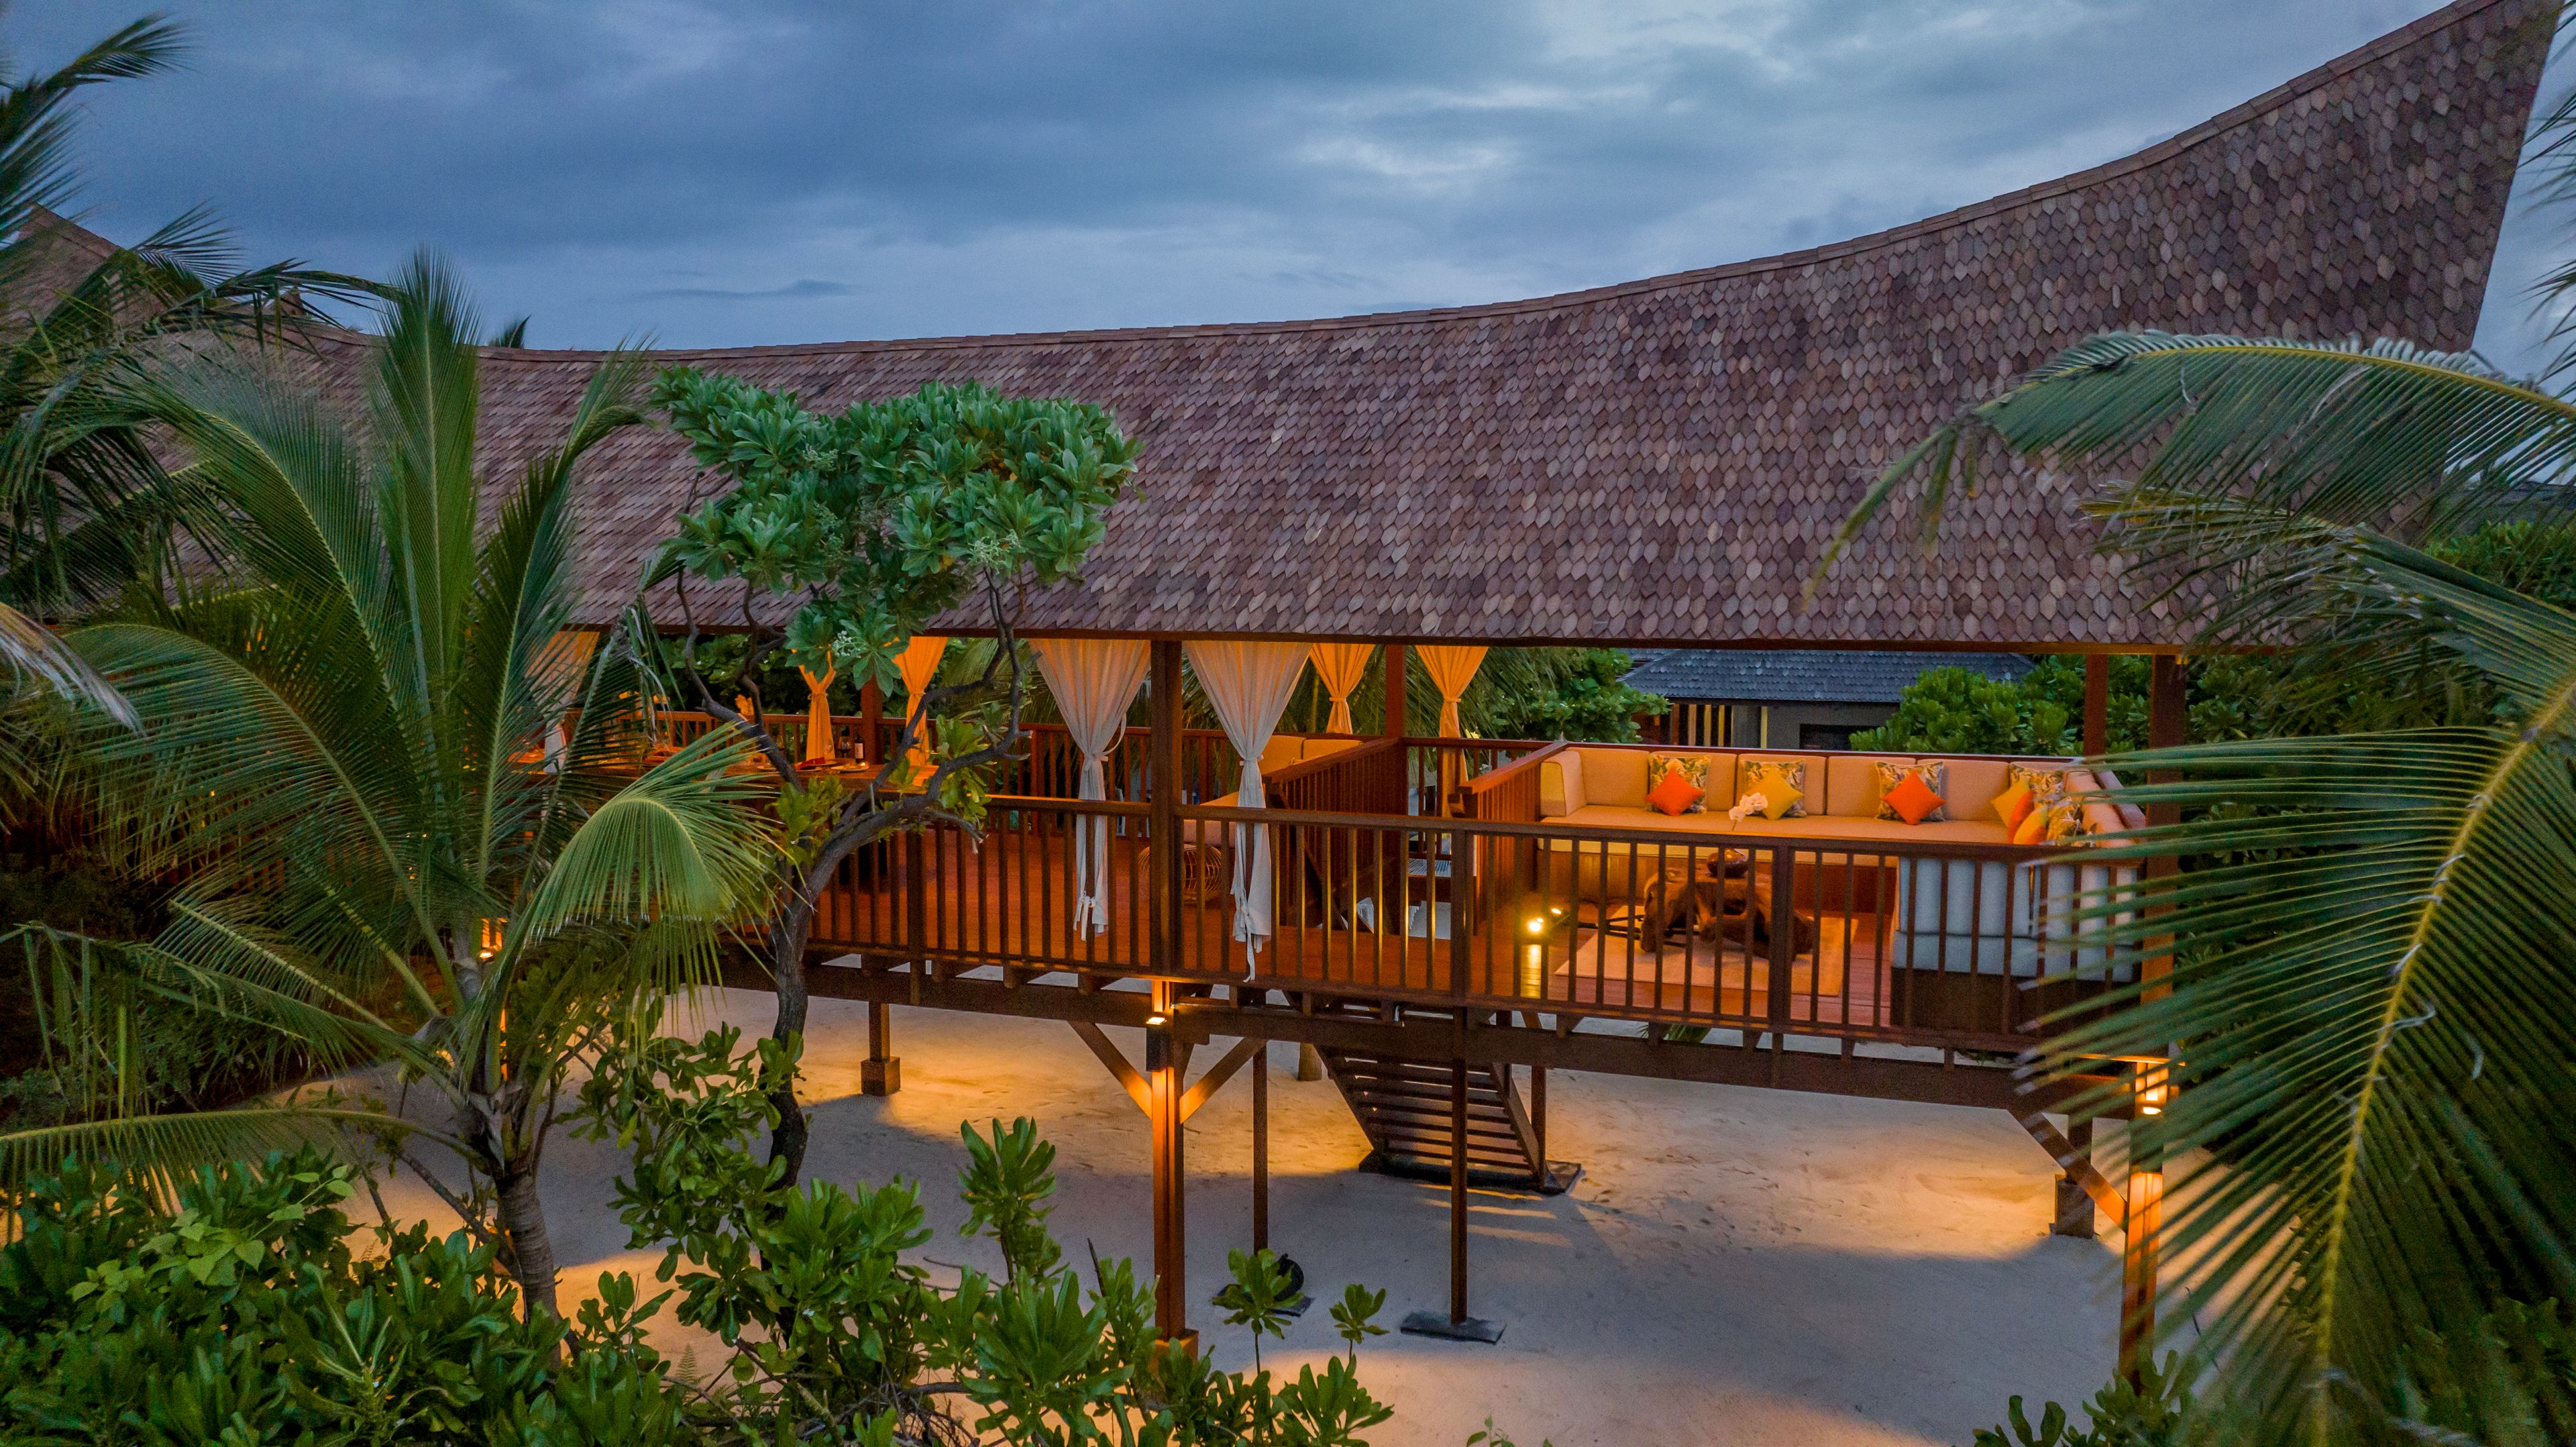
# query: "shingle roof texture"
[[1804, 675], [1662, 462]]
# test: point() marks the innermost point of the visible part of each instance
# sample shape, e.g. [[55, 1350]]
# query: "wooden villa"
[[1656, 464]]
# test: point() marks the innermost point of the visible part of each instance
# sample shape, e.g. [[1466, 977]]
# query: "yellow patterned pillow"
[[1772, 778], [1935, 775], [2067, 824], [2046, 786], [1692, 767]]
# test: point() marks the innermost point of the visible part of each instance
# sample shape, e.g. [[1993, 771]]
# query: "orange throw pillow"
[[2013, 806], [1673, 795], [1912, 799], [2033, 829]]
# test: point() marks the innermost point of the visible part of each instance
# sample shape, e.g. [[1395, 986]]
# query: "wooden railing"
[[1915, 942]]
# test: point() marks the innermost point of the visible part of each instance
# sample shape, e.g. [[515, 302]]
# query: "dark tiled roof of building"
[[1803, 675], [1662, 462]]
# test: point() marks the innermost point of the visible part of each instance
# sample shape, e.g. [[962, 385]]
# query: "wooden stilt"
[[1166, 1064], [1538, 1118], [1261, 1149], [1310, 1063], [1457, 1193], [2138, 1264], [871, 714], [2074, 1203], [1163, 794], [881, 1073]]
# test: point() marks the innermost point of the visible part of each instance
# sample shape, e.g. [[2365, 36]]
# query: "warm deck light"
[[1158, 1018], [1537, 925]]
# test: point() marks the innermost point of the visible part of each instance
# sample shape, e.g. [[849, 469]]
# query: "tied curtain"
[[1248, 685], [918, 663], [818, 715], [1451, 670], [1094, 681], [1341, 666]]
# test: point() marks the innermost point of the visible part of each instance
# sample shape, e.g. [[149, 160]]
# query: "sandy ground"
[[1736, 1266]]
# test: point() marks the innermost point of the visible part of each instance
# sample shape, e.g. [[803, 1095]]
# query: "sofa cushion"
[[1912, 798], [1973, 785], [1851, 784], [1675, 795], [1811, 826], [1933, 776], [1560, 784], [1776, 777], [1694, 771], [1614, 776], [1317, 748], [1281, 752]]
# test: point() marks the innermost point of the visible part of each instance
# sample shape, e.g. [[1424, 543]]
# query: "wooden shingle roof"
[[1659, 463]]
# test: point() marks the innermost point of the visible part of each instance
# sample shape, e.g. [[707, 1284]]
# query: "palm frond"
[[163, 1148], [681, 842], [2368, 1006], [31, 650]]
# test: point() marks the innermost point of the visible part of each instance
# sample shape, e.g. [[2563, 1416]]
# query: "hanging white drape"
[[1341, 666], [918, 663], [1248, 685], [818, 715], [1093, 681], [1451, 670]]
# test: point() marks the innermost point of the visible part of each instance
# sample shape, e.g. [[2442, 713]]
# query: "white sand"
[[1736, 1265]]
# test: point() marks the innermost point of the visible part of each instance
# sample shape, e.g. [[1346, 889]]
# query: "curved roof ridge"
[[2215, 127]]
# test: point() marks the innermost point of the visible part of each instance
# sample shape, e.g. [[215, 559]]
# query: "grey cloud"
[[993, 165]]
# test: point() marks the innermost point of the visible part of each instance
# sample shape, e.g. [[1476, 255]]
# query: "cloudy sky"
[[745, 172]]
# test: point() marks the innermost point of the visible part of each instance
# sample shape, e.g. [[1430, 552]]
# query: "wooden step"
[[1403, 1107]]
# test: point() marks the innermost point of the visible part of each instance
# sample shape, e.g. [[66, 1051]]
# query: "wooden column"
[[1166, 1061], [1457, 1193], [1538, 1114], [871, 714], [2168, 726], [1393, 725], [2097, 704], [2074, 1203], [1163, 795], [1261, 1148], [881, 1073]]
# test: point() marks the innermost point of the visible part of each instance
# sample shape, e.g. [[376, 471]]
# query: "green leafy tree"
[[873, 520], [356, 759], [832, 1333], [1952, 710]]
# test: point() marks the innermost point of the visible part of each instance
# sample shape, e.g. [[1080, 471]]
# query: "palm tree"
[[85, 506], [351, 757], [2372, 1008]]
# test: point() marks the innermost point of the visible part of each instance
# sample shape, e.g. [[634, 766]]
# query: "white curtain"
[[918, 663], [1094, 681], [1248, 685], [818, 715], [1341, 666]]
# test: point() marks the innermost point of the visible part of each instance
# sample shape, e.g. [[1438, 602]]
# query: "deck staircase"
[[1403, 1108]]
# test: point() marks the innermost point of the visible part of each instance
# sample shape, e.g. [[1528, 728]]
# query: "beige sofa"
[[1988, 917]]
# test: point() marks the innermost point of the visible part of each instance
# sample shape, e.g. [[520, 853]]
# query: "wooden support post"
[[1457, 1193], [881, 1073], [2097, 704], [871, 716], [1163, 793], [1261, 1148], [1310, 1062], [1166, 1061], [2074, 1202], [1538, 1114], [2168, 726], [1393, 725]]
